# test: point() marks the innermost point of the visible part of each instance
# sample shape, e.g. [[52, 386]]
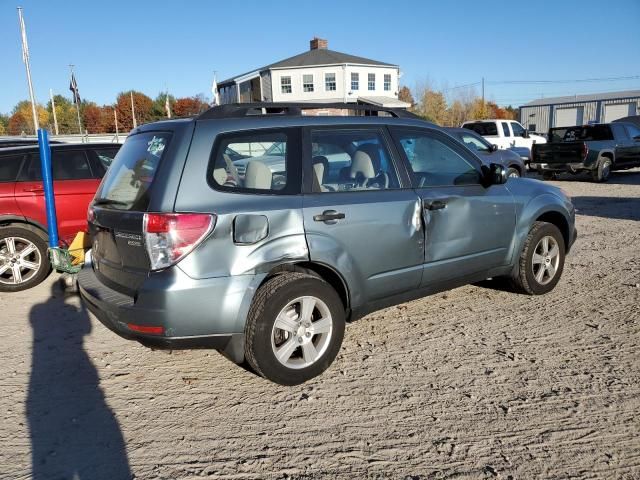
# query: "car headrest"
[[257, 175]]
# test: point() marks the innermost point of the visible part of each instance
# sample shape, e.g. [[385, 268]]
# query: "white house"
[[318, 75]]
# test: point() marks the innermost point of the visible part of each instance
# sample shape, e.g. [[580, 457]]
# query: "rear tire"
[[541, 261], [295, 328], [603, 170], [24, 259]]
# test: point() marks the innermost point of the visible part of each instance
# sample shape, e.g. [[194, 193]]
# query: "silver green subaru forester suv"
[[257, 230]]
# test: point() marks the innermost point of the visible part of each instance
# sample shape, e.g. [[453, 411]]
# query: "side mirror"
[[493, 147], [494, 174], [525, 134], [637, 138]]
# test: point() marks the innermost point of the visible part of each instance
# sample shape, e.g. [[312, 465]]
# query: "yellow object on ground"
[[77, 248]]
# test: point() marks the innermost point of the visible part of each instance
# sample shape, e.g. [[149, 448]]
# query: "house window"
[[371, 84], [285, 84], [387, 82], [307, 83], [355, 81], [329, 82]]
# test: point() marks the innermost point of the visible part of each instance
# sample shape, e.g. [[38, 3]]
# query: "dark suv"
[[317, 221], [77, 170]]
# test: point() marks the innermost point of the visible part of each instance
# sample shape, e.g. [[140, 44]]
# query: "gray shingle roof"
[[315, 57], [584, 98]]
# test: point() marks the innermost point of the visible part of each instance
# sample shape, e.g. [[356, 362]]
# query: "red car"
[[77, 170]]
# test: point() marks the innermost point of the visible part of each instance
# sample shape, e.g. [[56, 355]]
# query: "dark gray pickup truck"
[[597, 149]]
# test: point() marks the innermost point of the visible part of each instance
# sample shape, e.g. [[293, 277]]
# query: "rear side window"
[[9, 167], [106, 156], [128, 180], [505, 129], [253, 161], [65, 165], [486, 129]]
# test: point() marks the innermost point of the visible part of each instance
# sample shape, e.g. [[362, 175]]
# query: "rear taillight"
[[585, 151], [91, 214], [169, 237]]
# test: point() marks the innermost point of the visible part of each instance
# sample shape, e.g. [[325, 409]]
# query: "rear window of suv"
[[127, 182], [483, 128]]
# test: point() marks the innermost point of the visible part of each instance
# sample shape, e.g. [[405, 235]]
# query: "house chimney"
[[318, 44]]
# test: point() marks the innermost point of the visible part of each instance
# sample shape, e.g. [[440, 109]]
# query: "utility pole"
[[115, 118], [25, 59], [133, 110], [53, 109], [483, 112]]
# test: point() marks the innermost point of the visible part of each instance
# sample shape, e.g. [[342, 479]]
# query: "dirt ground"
[[473, 383]]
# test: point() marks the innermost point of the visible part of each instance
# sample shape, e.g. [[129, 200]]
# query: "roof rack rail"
[[235, 110]]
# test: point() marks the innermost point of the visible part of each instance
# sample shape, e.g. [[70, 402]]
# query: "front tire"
[[24, 259], [549, 176], [513, 173], [603, 170], [541, 261], [295, 328]]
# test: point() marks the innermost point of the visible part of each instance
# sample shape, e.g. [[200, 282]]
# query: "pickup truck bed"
[[596, 149]]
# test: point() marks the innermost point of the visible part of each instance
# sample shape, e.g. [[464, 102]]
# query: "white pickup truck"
[[504, 133]]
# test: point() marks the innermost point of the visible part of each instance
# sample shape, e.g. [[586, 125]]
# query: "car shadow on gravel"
[[619, 208], [74, 433], [631, 177]]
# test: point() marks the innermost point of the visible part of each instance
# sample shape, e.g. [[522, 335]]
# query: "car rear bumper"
[[560, 167], [207, 313]]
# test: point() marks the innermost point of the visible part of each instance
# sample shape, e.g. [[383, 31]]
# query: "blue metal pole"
[[47, 180]]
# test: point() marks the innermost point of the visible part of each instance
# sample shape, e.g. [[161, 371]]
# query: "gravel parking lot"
[[472, 383]]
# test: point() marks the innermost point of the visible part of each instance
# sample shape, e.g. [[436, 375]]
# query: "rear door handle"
[[329, 216], [33, 189], [435, 205]]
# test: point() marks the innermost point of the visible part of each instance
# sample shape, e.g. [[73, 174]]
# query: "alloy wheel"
[[20, 260], [545, 260], [302, 332]]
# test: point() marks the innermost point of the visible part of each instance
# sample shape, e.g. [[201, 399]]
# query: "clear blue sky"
[[153, 45]]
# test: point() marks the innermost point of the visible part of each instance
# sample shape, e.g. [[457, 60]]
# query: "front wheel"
[[24, 261], [513, 173], [603, 170], [294, 328], [541, 261]]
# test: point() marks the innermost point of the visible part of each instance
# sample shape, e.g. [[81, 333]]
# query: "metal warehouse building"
[[545, 113]]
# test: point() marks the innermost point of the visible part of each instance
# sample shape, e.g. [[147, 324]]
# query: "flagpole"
[[76, 101], [53, 109], [25, 58], [115, 118], [133, 110]]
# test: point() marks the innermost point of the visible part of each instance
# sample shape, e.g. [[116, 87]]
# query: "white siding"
[[343, 83]]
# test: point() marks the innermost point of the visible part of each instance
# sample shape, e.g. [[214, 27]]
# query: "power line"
[[578, 80], [475, 84]]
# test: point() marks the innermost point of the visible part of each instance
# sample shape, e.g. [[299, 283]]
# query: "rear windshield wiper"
[[109, 201]]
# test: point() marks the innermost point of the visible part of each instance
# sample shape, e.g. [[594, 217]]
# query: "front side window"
[[105, 156], [505, 129], [127, 183], [285, 84], [434, 163], [387, 82], [262, 168], [474, 143], [307, 83], [518, 131], [355, 81], [330, 82], [351, 160], [634, 131], [371, 81]]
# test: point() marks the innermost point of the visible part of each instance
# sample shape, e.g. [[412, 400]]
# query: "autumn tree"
[[433, 107], [404, 95], [4, 124], [143, 106], [21, 120], [183, 107]]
